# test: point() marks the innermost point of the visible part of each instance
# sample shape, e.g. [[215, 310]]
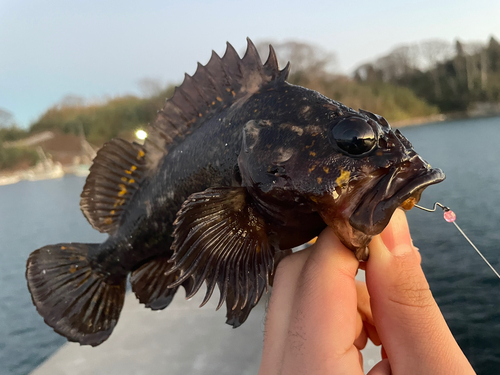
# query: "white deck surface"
[[182, 339]]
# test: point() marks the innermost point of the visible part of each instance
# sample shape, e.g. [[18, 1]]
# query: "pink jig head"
[[450, 217]]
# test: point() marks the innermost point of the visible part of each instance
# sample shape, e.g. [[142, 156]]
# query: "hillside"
[[122, 116]]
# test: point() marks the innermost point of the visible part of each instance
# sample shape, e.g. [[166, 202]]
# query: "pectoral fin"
[[221, 239]]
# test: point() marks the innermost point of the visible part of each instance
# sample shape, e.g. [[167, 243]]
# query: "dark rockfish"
[[238, 166]]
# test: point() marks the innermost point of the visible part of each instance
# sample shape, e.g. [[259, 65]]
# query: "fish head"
[[353, 169]]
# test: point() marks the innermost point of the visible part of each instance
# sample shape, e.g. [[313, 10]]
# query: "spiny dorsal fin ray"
[[221, 240], [215, 86], [115, 176]]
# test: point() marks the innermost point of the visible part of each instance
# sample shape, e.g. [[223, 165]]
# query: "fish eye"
[[354, 136]]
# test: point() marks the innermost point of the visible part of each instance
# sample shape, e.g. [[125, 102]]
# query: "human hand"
[[319, 317]]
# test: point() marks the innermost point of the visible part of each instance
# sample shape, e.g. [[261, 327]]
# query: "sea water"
[[34, 214]]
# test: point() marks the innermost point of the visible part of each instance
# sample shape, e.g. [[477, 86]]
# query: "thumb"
[[411, 327]]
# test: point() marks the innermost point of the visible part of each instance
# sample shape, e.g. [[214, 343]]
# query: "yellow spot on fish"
[[233, 93], [131, 181], [312, 168], [124, 179], [140, 155], [228, 89], [258, 249], [213, 103], [312, 144], [343, 179], [132, 168], [119, 202], [319, 179], [326, 169], [108, 221], [314, 199], [219, 99], [312, 153], [123, 191], [63, 247], [112, 212], [72, 269], [199, 115]]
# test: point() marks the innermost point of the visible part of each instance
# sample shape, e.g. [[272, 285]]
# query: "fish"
[[238, 168]]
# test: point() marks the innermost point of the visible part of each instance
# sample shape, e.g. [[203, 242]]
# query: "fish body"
[[238, 167], [195, 165]]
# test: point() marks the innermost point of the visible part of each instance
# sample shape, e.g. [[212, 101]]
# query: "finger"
[[364, 309], [361, 334], [372, 333], [323, 323], [279, 309], [408, 320], [381, 368]]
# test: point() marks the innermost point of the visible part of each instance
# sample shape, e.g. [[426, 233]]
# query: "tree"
[[150, 87], [6, 119], [309, 62]]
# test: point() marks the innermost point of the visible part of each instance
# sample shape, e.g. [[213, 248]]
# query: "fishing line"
[[450, 217]]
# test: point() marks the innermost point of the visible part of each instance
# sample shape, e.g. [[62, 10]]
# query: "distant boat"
[[45, 169], [9, 180], [80, 170]]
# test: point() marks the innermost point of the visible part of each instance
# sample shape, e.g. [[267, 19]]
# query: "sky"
[[97, 49]]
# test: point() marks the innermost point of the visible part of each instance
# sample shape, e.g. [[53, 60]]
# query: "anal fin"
[[150, 283], [115, 175]]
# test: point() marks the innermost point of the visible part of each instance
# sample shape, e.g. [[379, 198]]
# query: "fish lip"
[[376, 208]]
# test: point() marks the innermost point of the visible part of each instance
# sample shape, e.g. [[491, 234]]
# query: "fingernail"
[[396, 235]]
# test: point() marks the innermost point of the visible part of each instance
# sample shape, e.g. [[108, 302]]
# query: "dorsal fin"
[[115, 175], [215, 86]]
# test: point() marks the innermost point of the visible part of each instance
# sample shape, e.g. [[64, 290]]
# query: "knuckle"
[[411, 288], [288, 262], [309, 273], [412, 295], [288, 267]]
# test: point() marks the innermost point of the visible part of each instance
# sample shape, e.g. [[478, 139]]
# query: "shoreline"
[[417, 121], [10, 176]]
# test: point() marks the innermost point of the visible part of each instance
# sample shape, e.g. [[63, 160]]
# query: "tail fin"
[[74, 300]]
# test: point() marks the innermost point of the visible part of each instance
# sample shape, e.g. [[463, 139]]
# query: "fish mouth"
[[399, 187]]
